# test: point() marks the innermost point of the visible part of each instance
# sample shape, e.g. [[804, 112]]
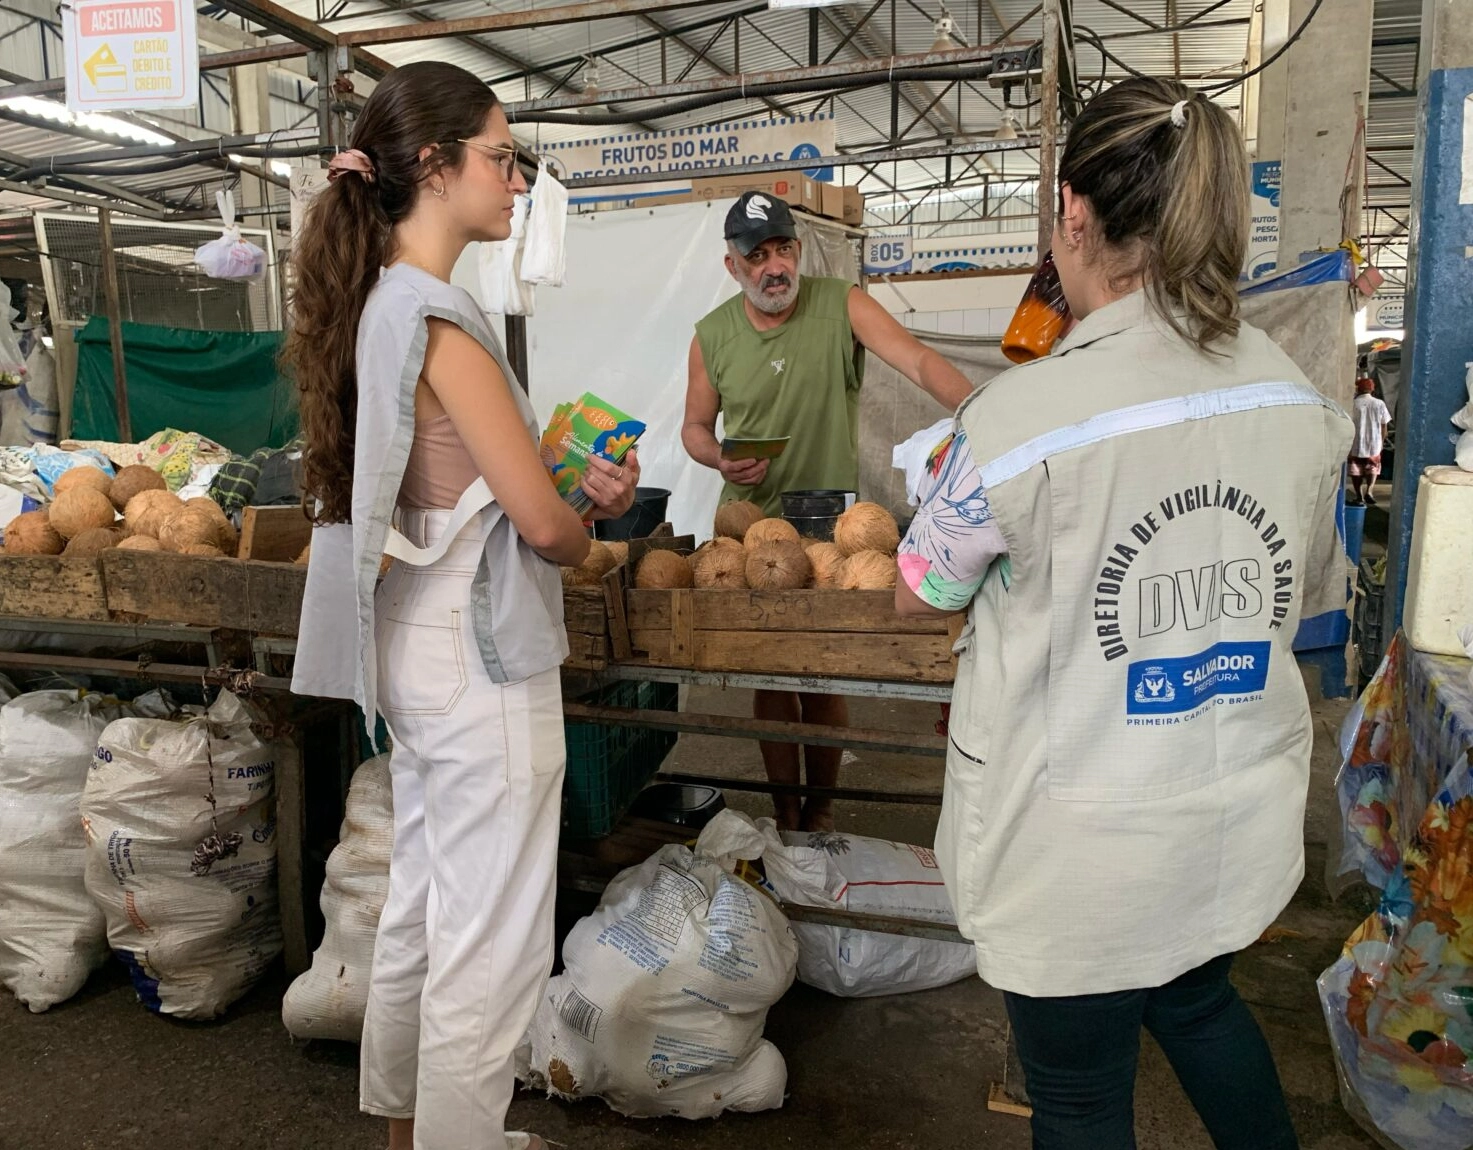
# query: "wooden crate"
[[265, 598], [846, 634], [274, 534], [594, 616], [52, 587], [586, 620]]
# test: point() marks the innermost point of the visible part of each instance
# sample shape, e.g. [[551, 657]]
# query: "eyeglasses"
[[506, 156]]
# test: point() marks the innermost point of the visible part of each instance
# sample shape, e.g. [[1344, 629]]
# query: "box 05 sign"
[[887, 255], [124, 54]]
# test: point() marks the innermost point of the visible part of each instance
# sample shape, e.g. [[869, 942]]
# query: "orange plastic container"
[[1041, 316]]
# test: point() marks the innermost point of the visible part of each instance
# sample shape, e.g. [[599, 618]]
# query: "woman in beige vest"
[[1126, 522]]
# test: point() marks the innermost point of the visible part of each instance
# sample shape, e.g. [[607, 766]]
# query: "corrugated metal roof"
[[533, 62]]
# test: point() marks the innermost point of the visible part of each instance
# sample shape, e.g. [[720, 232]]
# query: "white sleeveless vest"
[[517, 599]]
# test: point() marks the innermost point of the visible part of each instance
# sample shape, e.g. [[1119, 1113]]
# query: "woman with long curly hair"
[[421, 446]]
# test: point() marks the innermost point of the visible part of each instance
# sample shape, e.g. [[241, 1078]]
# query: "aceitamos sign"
[[130, 54]]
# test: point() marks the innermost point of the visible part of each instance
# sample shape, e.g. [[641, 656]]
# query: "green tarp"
[[223, 384]]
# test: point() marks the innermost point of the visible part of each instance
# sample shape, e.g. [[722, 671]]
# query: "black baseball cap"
[[756, 218]]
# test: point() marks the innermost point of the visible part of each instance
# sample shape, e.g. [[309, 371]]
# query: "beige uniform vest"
[[1130, 735]]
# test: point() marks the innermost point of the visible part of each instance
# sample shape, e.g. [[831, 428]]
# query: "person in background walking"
[[1372, 418]]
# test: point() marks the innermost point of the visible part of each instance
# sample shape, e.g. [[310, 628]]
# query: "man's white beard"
[[770, 304]]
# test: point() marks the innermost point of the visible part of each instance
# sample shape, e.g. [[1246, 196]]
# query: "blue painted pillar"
[[1439, 314]]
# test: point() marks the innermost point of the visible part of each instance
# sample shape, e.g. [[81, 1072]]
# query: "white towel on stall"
[[544, 259], [502, 289]]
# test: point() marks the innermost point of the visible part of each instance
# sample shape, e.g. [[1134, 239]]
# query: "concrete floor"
[[100, 1073]]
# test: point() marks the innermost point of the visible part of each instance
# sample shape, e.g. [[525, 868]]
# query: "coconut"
[[867, 527], [207, 550], [826, 559], [720, 563], [868, 571], [208, 505], [306, 554], [660, 570], [145, 512], [733, 519], [187, 526], [229, 540], [31, 533], [93, 541], [781, 565], [767, 531], [82, 475], [80, 508], [619, 549], [133, 479], [139, 543], [591, 571]]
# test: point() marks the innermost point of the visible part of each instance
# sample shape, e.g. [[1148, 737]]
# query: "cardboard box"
[[845, 204], [793, 187]]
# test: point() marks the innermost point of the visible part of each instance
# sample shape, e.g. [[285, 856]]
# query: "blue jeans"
[[1079, 1056]]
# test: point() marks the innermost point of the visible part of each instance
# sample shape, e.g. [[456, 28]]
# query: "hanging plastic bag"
[[12, 362], [543, 255], [502, 289], [230, 257]]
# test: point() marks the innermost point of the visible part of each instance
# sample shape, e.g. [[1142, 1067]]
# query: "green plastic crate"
[[609, 765]]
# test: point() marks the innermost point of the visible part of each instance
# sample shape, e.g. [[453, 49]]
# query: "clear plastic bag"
[[230, 257], [12, 362]]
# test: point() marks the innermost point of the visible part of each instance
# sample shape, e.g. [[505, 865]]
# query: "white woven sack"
[[52, 935], [328, 1000], [667, 986], [880, 877], [181, 831]]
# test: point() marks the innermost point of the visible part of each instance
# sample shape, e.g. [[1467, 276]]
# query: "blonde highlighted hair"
[[1169, 186]]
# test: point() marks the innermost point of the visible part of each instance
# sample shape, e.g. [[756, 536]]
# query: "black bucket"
[[815, 504], [679, 803], [814, 513], [647, 513], [814, 526]]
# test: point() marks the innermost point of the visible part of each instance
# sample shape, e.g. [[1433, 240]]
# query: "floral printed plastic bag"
[[1399, 1002]]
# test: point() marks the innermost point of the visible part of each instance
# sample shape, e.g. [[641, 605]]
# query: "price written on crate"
[[887, 255], [123, 54]]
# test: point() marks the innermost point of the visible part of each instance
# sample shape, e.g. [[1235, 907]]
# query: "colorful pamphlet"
[[587, 426], [732, 448]]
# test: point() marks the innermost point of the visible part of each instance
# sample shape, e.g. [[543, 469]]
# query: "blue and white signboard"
[[682, 151], [1263, 234], [887, 255]]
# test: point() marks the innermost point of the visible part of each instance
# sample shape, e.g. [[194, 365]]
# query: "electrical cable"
[[1284, 47], [1093, 38], [182, 159]]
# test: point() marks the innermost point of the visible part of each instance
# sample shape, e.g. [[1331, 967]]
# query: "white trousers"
[[465, 943]]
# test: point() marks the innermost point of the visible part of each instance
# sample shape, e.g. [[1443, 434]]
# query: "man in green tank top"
[[786, 358]]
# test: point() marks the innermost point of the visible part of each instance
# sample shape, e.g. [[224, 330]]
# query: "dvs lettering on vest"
[[1190, 597]]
